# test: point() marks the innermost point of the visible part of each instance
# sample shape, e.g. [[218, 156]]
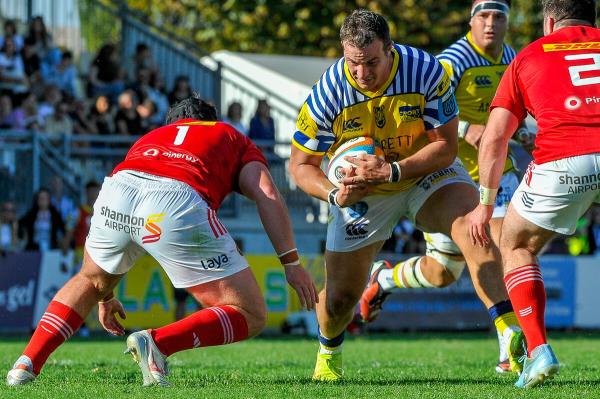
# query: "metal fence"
[[30, 160]]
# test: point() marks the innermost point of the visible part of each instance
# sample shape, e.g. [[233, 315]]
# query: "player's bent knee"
[[256, 318], [101, 284]]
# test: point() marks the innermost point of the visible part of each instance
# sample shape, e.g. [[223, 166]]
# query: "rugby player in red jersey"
[[162, 199], [557, 80]]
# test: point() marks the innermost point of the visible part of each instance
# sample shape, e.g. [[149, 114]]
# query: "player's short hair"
[[362, 27], [570, 9], [192, 107]]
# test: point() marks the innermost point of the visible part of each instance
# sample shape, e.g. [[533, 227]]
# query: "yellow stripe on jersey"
[[549, 47], [475, 78], [417, 97]]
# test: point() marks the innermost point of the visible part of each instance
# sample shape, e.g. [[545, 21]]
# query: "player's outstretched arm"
[[256, 183], [492, 155]]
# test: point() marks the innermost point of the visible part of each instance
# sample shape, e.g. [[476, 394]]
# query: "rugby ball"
[[352, 147]]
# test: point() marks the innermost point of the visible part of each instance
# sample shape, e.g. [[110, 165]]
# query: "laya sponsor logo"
[[214, 262], [580, 184], [357, 230], [427, 182], [152, 227], [121, 222]]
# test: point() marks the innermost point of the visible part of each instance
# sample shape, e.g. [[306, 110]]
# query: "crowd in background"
[[42, 88]]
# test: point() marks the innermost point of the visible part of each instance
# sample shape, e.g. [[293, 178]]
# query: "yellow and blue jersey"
[[416, 97], [475, 78]]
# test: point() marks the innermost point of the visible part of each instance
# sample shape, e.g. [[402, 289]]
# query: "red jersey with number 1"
[[206, 155], [557, 80]]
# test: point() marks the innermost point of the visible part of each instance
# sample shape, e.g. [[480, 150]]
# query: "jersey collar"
[[384, 87], [482, 53]]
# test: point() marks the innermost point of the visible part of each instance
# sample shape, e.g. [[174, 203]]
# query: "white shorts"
[[555, 194], [444, 244], [374, 218], [138, 212]]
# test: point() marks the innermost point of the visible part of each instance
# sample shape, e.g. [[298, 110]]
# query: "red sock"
[[208, 327], [56, 326], [528, 296]]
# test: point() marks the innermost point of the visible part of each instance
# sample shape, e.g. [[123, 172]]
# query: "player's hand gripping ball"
[[352, 147]]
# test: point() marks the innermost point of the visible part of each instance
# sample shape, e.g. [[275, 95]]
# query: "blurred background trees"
[[312, 27]]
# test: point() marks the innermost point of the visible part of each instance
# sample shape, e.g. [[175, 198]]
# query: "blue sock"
[[499, 309], [331, 345]]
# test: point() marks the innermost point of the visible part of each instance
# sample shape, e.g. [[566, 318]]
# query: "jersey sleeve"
[[508, 95], [314, 126], [440, 103], [251, 152]]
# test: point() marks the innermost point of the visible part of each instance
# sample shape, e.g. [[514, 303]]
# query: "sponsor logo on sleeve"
[[449, 106]]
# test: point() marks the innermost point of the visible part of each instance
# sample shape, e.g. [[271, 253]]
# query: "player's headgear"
[[501, 6], [570, 9], [362, 27], [192, 107]]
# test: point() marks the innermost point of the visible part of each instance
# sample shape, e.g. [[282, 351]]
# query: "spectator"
[[32, 65], [26, 116], [82, 120], [52, 97], [159, 98], [106, 74], [63, 203], [64, 74], [6, 110], [12, 69], [142, 59], [84, 214], [262, 127], [10, 31], [181, 90], [102, 116], [60, 124], [39, 37], [9, 227], [128, 121], [42, 226], [234, 117]]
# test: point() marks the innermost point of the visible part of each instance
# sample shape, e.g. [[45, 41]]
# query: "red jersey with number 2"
[[206, 155], [557, 80]]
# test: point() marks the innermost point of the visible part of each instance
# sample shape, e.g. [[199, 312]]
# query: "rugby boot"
[[373, 296]]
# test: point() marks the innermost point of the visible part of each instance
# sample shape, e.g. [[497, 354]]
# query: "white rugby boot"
[[151, 361], [21, 373]]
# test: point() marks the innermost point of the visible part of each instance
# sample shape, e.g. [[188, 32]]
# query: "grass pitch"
[[378, 366]]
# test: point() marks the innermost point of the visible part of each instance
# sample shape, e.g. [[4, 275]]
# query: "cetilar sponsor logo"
[[581, 184], [154, 152], [153, 228]]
